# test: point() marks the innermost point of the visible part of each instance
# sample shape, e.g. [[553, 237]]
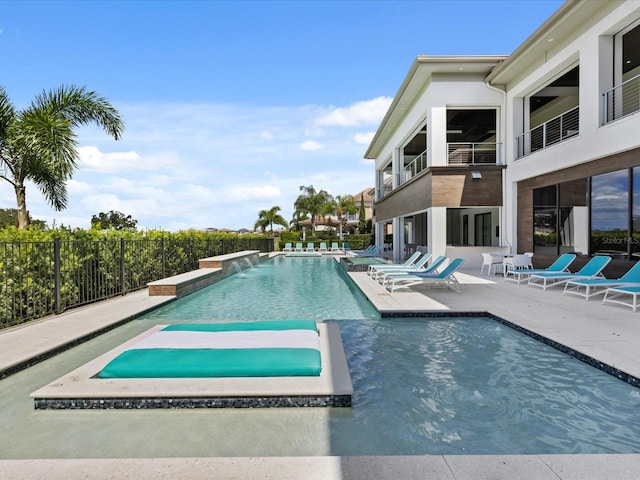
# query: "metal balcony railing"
[[553, 131], [621, 100], [414, 167], [473, 153]]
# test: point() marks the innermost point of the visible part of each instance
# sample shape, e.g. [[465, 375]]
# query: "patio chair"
[[592, 269], [560, 265], [446, 278], [615, 295], [384, 277], [589, 287], [287, 247], [516, 262], [323, 247], [335, 247], [490, 261], [310, 247], [413, 262], [298, 247]]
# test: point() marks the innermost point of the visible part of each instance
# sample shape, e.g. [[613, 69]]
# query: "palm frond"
[[81, 107]]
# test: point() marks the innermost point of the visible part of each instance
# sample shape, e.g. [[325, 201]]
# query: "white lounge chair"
[[589, 287], [560, 265], [616, 294], [592, 269], [445, 278], [299, 247], [323, 247], [287, 247]]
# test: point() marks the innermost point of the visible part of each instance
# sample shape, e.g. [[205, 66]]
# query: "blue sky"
[[231, 106]]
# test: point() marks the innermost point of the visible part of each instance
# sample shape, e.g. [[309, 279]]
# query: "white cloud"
[[363, 138], [369, 112], [310, 146], [181, 166]]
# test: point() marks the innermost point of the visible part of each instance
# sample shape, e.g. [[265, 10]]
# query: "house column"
[[398, 239], [437, 230]]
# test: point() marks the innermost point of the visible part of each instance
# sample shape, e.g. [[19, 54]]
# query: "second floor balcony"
[[621, 100], [551, 132], [473, 153]]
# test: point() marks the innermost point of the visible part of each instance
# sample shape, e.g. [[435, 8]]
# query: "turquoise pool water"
[[421, 385]]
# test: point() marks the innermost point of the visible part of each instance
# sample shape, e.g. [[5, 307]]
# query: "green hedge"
[[94, 265]]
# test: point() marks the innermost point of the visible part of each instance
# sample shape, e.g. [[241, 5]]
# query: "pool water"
[[286, 288], [421, 385]]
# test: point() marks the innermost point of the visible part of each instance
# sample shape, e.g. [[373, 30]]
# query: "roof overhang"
[[414, 84], [562, 25]]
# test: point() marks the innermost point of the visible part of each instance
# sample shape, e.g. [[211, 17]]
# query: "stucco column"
[[398, 239], [437, 230]]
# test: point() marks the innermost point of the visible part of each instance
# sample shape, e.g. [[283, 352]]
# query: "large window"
[[476, 226], [560, 218], [610, 213]]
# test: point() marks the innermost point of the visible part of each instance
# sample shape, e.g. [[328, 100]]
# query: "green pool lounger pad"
[[239, 349]]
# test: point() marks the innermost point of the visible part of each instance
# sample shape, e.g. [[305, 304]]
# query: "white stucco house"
[[536, 151]]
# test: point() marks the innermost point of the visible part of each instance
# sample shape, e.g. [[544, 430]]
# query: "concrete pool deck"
[[608, 333]]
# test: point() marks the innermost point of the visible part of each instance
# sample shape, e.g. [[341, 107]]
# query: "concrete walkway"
[[608, 333]]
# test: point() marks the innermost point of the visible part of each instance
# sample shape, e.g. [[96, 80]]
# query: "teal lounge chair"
[[370, 251], [431, 269], [560, 265], [311, 247], [408, 263], [592, 269], [589, 287], [299, 247], [418, 266], [323, 247], [287, 247], [335, 247], [445, 278]]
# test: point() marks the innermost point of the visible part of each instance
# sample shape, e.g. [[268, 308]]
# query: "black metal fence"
[[44, 278]]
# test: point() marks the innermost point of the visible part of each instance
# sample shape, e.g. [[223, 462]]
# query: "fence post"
[[123, 288], [162, 258], [56, 274]]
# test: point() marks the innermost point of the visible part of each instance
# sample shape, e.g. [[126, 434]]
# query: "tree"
[[266, 218], [362, 217], [113, 220], [343, 204], [38, 143], [9, 218], [313, 203]]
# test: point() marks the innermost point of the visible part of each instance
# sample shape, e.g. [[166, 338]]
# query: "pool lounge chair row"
[[288, 248], [429, 277], [416, 271], [588, 281]]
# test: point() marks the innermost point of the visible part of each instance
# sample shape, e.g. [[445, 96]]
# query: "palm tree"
[[38, 143], [266, 218], [313, 203], [344, 204]]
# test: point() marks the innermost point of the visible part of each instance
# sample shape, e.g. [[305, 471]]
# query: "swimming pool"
[[421, 386]]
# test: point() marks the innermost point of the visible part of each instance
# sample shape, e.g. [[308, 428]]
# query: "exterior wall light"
[[476, 175]]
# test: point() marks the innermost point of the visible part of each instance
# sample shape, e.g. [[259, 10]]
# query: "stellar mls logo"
[[620, 240]]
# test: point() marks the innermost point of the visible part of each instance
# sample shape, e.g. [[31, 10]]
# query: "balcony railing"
[[553, 131], [622, 100], [414, 167], [473, 153]]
